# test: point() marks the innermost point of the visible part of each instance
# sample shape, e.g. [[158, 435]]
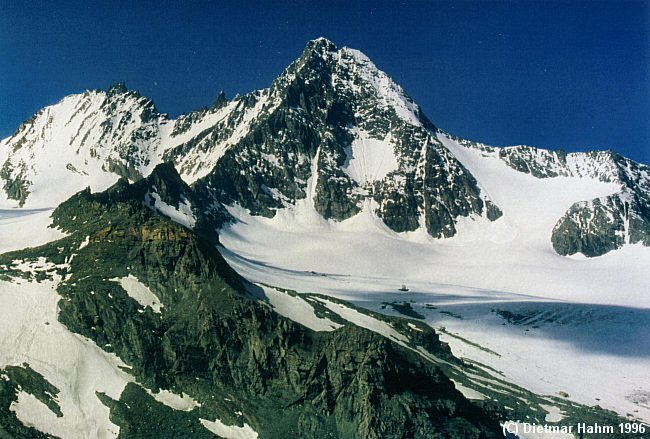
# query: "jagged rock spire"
[[220, 101], [117, 88]]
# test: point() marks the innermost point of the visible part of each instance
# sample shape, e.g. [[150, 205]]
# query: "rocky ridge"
[[591, 227]]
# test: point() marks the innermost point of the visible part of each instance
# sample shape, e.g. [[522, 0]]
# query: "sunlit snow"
[[140, 292]]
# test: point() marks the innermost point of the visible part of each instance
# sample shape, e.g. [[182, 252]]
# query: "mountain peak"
[[318, 49], [220, 101], [321, 43], [117, 88]]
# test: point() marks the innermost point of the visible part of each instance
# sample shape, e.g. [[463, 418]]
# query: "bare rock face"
[[598, 226]]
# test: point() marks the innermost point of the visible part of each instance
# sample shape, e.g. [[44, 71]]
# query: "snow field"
[[30, 333]]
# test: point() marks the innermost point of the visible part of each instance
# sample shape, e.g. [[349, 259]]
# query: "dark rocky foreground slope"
[[217, 340]]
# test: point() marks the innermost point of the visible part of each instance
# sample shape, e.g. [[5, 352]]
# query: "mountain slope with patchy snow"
[[188, 347], [331, 181]]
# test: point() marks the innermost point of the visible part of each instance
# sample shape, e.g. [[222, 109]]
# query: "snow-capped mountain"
[[196, 273], [591, 227], [339, 131], [84, 140], [332, 129]]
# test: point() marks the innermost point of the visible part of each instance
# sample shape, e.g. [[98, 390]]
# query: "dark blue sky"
[[565, 74]]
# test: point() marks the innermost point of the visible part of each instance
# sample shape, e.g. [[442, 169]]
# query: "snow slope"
[[531, 206], [513, 254], [26, 228], [182, 214], [178, 402], [68, 146], [90, 139], [30, 333], [140, 292], [229, 431], [369, 159], [297, 309]]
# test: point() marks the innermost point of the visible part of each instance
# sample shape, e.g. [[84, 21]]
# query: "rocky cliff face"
[[598, 226], [214, 334], [334, 125]]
